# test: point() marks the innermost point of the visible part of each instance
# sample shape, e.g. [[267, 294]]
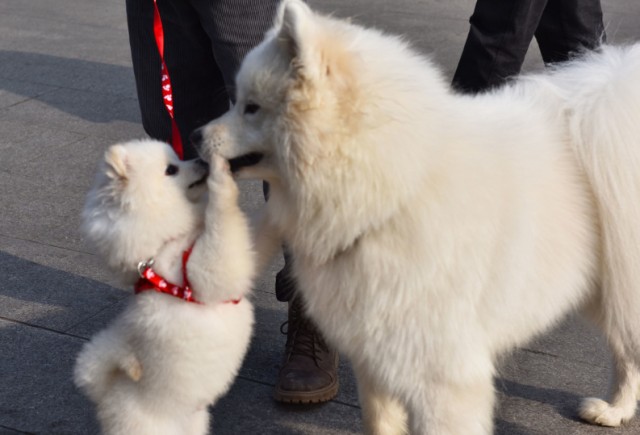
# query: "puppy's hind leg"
[[106, 357], [199, 423]]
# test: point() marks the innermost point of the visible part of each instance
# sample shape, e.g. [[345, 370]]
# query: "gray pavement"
[[66, 92]]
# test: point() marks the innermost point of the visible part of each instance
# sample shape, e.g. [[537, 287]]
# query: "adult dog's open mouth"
[[240, 162]]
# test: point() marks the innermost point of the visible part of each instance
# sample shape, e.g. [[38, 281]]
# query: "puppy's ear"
[[297, 32], [116, 159]]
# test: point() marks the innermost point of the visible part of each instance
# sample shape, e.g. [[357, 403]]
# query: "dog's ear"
[[297, 32], [116, 159]]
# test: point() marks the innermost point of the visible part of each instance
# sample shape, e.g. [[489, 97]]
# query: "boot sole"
[[306, 397]]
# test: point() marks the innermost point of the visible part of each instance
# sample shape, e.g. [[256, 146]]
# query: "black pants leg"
[[498, 40], [568, 27], [502, 30], [205, 41]]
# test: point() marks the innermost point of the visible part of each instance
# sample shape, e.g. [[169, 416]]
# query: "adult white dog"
[[159, 364], [432, 232]]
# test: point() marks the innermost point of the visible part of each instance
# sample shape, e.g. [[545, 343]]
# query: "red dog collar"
[[150, 280]]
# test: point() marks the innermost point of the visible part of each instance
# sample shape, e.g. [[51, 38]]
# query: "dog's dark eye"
[[171, 170], [251, 108]]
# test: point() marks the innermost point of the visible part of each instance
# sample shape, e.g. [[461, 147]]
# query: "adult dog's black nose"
[[196, 139]]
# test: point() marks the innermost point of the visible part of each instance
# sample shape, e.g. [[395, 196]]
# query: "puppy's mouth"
[[245, 160], [199, 181]]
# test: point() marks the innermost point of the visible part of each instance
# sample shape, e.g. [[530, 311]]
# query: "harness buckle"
[[144, 265]]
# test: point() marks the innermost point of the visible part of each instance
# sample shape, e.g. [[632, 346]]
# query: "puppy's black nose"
[[196, 139]]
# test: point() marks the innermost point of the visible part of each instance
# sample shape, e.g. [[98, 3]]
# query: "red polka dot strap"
[[150, 280]]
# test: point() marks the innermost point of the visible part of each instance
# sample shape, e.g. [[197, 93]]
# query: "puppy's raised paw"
[[221, 183]]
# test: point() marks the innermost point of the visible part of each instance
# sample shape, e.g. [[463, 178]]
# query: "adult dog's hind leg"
[[626, 388]]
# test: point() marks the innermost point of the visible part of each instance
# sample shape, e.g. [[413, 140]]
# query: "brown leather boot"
[[309, 372]]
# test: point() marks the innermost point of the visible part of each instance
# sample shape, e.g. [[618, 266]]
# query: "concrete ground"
[[66, 92]]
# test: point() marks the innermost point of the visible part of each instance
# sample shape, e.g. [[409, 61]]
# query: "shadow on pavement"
[[55, 81]]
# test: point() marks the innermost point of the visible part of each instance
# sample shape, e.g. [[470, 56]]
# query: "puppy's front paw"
[[220, 182]]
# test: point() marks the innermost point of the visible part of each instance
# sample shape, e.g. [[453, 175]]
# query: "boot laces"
[[303, 338]]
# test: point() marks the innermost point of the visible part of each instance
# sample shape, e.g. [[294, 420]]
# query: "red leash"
[[167, 94]]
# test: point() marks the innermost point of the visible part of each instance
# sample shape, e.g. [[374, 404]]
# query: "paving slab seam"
[[269, 384], [350, 405], [69, 88], [541, 353], [81, 136], [44, 328], [16, 430], [64, 248], [256, 381], [33, 97], [66, 331], [257, 290], [60, 21]]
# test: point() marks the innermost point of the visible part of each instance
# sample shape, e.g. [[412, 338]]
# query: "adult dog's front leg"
[[266, 240], [381, 414], [450, 407]]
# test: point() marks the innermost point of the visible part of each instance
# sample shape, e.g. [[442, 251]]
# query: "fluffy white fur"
[[158, 366], [432, 232]]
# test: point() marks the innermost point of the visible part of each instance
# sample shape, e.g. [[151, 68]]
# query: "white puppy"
[[158, 366], [432, 232]]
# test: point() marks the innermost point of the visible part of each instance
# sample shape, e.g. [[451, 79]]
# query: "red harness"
[[150, 280]]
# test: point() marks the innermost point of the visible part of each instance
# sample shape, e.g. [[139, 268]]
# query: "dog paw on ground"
[[597, 411]]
